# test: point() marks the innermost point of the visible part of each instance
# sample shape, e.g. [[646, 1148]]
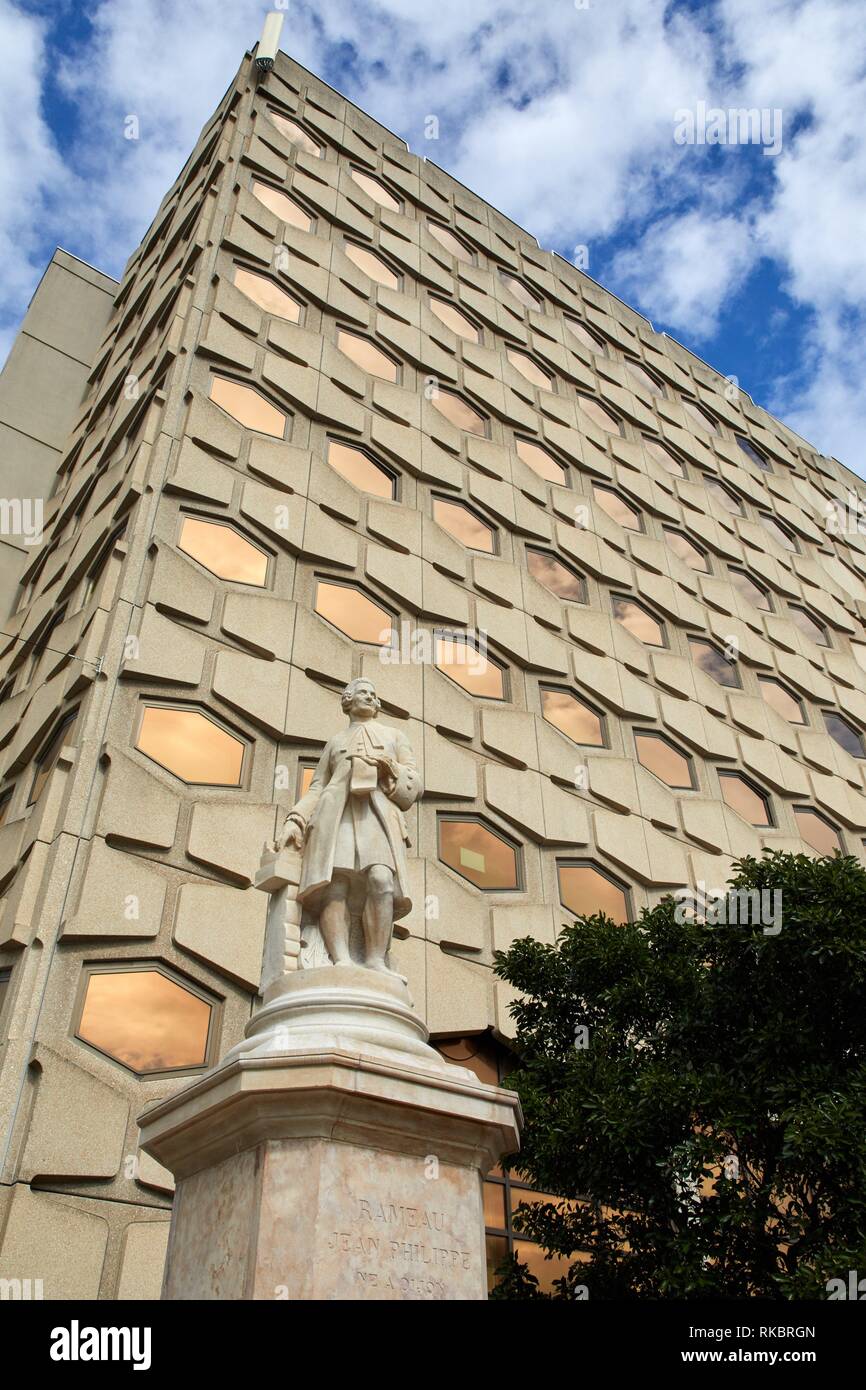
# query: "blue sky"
[[562, 113]]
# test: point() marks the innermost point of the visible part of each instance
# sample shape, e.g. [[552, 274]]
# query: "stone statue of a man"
[[351, 831]]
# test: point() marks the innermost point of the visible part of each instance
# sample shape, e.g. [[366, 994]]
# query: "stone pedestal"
[[331, 1155]]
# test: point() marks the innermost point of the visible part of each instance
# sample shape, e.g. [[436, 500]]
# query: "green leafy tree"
[[697, 1093]]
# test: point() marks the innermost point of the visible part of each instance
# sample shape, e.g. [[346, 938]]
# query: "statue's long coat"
[[321, 809]]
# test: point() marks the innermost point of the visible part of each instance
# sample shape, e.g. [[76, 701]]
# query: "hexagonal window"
[[779, 532], [844, 733], [144, 1019], [662, 455], [573, 717], [470, 666], [459, 412], [529, 369], [659, 756], [559, 578], [757, 458], [779, 698], [372, 265], [248, 406], [541, 462], [586, 890], [367, 356], [686, 551], [353, 613], [296, 134], [699, 417], [48, 758], [455, 320], [464, 525], [359, 469], [270, 297], [584, 335], [745, 798], [598, 414], [617, 508], [751, 590], [520, 290], [451, 242], [479, 854], [306, 773], [714, 663], [191, 745], [638, 621], [282, 206], [644, 379], [224, 551], [729, 500], [817, 831], [376, 190], [808, 625]]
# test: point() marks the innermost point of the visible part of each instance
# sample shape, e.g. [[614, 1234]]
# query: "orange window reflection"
[[636, 620], [584, 890], [572, 716], [144, 1020], [583, 335], [353, 613], [282, 206], [687, 552], [372, 265], [663, 455], [665, 761], [782, 701], [529, 370], [376, 190], [453, 319], [745, 799], [617, 508], [599, 415], [223, 551], [520, 290], [367, 356], [555, 576], [360, 470], [540, 461], [248, 407], [463, 525], [459, 250], [270, 297], [190, 745], [816, 831], [459, 412], [469, 667], [477, 854]]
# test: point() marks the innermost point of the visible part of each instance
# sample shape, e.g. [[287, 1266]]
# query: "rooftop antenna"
[[269, 43]]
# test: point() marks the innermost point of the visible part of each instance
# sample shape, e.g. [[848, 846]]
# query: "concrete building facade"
[[342, 417]]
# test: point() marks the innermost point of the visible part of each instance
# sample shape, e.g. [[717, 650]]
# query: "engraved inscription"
[[402, 1248]]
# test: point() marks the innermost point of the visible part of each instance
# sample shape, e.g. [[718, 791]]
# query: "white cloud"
[[685, 267], [562, 117]]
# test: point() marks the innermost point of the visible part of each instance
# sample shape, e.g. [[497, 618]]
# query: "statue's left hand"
[[388, 772]]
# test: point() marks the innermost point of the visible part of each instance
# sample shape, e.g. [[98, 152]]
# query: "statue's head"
[[360, 699]]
